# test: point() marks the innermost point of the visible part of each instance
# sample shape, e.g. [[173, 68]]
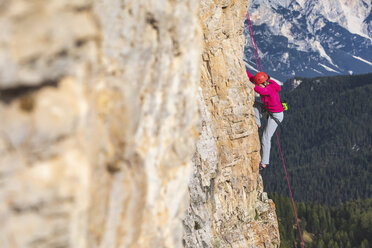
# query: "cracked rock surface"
[[228, 207]]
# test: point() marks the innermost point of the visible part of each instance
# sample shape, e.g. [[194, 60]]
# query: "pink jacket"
[[269, 95]]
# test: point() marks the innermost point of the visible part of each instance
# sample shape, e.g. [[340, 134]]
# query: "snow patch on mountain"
[[317, 71], [302, 3], [365, 61], [285, 57], [318, 47], [328, 68], [319, 24], [297, 82]]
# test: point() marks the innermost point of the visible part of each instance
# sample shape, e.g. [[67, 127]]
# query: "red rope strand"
[[290, 191], [254, 44]]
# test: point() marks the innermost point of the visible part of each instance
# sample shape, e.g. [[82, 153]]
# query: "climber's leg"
[[266, 137]]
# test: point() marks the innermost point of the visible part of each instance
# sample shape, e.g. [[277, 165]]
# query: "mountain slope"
[[311, 38], [326, 136]]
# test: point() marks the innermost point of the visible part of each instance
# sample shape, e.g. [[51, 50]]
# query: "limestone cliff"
[[228, 207], [110, 109]]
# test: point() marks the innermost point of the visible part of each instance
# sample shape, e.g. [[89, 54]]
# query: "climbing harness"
[[255, 50], [266, 113], [273, 117]]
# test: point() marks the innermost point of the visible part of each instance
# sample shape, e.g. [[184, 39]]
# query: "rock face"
[[102, 111], [228, 207]]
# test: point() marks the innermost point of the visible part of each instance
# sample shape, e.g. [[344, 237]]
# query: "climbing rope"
[[259, 68], [254, 45]]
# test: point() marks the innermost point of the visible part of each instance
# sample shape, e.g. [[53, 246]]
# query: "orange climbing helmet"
[[260, 78]]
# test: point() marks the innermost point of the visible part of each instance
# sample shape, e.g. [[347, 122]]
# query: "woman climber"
[[270, 107]]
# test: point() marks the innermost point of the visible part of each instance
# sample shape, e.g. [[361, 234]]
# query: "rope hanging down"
[[259, 68]]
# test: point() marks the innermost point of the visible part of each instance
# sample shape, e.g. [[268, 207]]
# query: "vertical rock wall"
[[99, 108], [228, 207]]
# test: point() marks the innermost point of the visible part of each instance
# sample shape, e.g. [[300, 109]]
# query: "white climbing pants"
[[260, 111]]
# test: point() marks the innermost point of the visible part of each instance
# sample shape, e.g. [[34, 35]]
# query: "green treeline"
[[348, 225], [326, 137]]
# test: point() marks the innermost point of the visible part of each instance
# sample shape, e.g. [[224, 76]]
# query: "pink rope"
[[254, 44], [290, 191], [255, 50]]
